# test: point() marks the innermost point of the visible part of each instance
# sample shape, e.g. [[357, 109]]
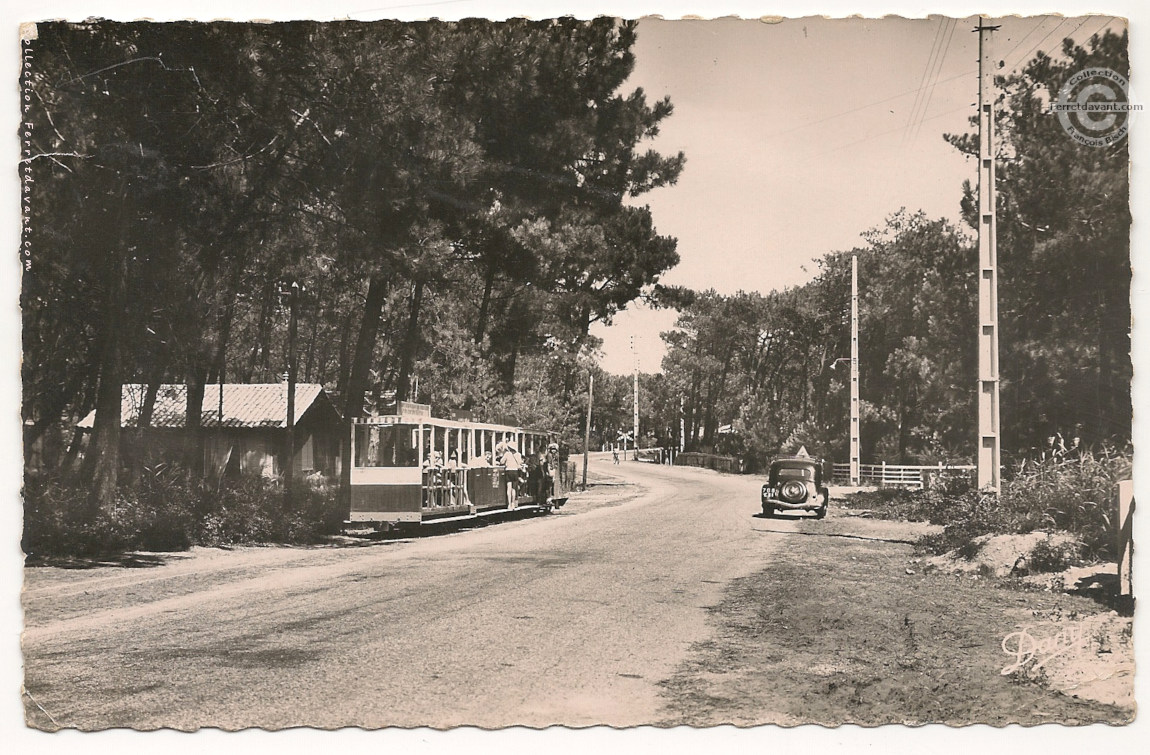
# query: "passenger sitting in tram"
[[433, 484], [453, 475]]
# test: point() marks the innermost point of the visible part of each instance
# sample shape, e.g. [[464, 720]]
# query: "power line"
[[920, 88], [883, 101], [1076, 28], [924, 101], [1102, 28], [934, 47], [1040, 42], [1025, 37], [934, 83], [891, 131]]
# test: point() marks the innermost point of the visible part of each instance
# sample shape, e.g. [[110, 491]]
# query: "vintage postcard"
[[464, 369]]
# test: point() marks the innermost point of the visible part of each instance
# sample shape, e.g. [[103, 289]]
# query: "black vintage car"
[[796, 483]]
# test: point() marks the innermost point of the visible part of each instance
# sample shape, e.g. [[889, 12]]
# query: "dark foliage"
[[170, 510]]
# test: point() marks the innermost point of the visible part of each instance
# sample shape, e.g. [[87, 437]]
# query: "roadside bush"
[[1051, 556], [887, 503], [57, 521], [967, 516], [165, 501], [251, 510], [168, 509], [1074, 496]]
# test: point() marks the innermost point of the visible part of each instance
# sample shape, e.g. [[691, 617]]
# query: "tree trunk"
[[905, 420], [104, 449], [357, 376], [410, 344], [310, 364], [484, 305], [55, 408], [216, 375], [344, 357], [139, 449], [259, 353], [193, 414]]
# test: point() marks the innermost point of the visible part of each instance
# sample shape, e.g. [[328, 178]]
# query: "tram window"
[[385, 446]]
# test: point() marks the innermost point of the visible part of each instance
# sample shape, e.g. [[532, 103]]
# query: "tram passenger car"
[[411, 468]]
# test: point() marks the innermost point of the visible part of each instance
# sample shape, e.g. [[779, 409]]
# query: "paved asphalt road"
[[572, 619]]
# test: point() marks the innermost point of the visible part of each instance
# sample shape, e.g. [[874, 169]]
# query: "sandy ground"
[[571, 618], [657, 597], [845, 627]]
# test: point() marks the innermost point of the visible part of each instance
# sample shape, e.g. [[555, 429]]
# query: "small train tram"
[[410, 468]]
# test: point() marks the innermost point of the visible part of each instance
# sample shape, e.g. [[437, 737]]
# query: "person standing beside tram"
[[552, 468], [512, 464]]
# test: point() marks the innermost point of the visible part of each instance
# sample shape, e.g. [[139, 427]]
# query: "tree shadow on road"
[[121, 560]]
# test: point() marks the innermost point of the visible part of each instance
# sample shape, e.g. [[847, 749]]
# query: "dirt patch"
[[1000, 555], [846, 630], [1085, 656]]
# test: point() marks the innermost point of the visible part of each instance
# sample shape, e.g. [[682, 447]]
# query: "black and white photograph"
[[439, 367]]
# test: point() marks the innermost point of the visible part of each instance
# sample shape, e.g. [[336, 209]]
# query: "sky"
[[801, 135]]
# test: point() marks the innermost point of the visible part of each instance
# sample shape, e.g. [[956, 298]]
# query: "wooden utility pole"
[[854, 451], [587, 429], [989, 435]]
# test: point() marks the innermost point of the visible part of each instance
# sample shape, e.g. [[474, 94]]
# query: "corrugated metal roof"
[[245, 405]]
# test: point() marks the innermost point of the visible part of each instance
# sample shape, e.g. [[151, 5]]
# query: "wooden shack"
[[243, 427]]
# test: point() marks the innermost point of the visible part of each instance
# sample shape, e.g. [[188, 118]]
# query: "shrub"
[[965, 517], [169, 509], [1075, 496], [58, 521], [1051, 556]]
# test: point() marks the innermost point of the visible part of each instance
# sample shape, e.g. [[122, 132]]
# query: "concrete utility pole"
[[635, 422], [682, 423], [989, 437], [289, 468], [855, 470], [587, 430]]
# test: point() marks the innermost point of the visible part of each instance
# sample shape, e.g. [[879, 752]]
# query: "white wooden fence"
[[894, 475]]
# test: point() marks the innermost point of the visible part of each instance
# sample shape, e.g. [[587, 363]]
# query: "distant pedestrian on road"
[[615, 455]]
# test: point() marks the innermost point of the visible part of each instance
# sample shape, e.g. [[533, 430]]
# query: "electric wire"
[[934, 82], [1040, 42], [935, 46], [853, 110], [891, 131]]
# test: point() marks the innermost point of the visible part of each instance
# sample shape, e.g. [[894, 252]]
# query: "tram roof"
[[423, 419]]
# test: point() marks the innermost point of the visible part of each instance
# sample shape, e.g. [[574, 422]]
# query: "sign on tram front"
[[412, 409]]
